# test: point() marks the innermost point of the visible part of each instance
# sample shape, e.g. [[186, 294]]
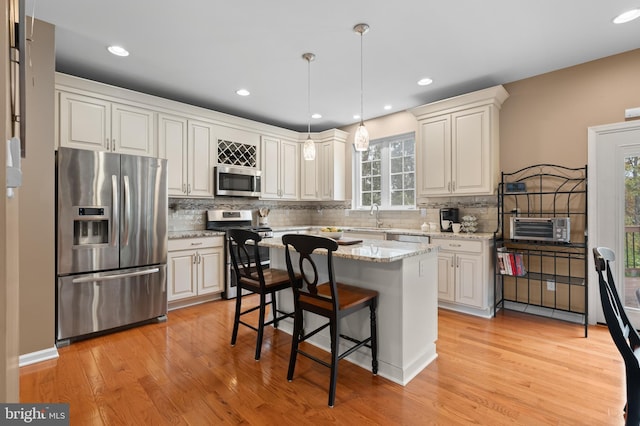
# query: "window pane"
[[375, 152], [396, 198], [396, 165], [376, 168], [395, 149], [409, 198], [409, 180], [366, 184], [366, 169], [409, 148], [409, 164], [376, 183], [376, 197], [366, 199], [396, 182]]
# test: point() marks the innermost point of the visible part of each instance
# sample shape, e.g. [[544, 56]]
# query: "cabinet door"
[[446, 276], [172, 135], [289, 170], [331, 170], [132, 130], [309, 176], [181, 278], [471, 146], [210, 270], [201, 158], [270, 156], [469, 286], [85, 122], [434, 156]]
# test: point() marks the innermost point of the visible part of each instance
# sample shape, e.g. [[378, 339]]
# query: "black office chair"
[[250, 276], [624, 335], [331, 300]]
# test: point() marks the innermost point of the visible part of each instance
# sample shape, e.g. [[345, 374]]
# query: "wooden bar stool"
[[331, 300], [250, 276]]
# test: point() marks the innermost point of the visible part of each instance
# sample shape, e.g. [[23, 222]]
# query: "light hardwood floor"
[[513, 369]]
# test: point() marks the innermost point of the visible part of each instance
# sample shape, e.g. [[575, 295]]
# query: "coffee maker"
[[452, 215]]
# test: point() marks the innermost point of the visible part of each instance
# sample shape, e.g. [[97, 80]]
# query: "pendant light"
[[309, 147], [361, 139]]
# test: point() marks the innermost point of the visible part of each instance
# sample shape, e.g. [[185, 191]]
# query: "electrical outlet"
[[551, 285], [423, 212], [346, 212]]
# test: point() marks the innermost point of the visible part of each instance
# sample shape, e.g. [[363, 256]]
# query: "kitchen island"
[[406, 276]]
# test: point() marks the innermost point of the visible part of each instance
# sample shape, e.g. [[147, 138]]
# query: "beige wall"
[[9, 372], [545, 118], [37, 239]]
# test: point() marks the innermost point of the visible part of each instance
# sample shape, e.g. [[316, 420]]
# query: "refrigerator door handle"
[[127, 210], [112, 277], [115, 214]]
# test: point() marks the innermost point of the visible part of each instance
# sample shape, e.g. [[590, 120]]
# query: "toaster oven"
[[541, 228]]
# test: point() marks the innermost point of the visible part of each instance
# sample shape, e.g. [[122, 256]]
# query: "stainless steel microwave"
[[237, 181], [541, 228]]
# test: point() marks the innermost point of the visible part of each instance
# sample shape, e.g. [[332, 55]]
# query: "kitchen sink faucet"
[[378, 221]]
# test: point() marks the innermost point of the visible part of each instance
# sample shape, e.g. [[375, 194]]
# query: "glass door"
[[630, 294]]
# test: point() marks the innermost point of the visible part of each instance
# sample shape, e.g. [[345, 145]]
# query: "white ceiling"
[[202, 51]]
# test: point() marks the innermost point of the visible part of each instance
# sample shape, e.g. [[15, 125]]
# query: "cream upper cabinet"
[[324, 177], [97, 124], [280, 169], [189, 147], [457, 149]]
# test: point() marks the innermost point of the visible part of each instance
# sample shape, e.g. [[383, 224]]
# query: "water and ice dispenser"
[[91, 226]]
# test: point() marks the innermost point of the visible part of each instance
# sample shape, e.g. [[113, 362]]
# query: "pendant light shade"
[[309, 147], [361, 139]]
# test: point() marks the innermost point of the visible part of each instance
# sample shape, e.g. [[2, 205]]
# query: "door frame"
[[596, 196]]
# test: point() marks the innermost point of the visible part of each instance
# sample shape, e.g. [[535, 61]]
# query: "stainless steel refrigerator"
[[111, 241]]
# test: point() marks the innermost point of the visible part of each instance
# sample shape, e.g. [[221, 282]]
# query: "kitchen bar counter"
[[405, 275], [176, 235], [370, 250]]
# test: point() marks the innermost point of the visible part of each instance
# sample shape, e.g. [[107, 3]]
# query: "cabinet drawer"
[[450, 244], [195, 243]]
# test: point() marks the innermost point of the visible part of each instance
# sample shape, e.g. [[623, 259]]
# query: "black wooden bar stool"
[[331, 300], [245, 257]]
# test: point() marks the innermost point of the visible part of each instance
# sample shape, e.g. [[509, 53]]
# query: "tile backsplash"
[[190, 214]]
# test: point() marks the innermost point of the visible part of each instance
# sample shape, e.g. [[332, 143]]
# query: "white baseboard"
[[38, 356]]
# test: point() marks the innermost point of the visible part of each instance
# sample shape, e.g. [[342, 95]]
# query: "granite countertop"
[[370, 250], [175, 235], [399, 231]]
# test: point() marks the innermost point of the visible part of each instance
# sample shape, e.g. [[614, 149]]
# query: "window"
[[385, 174]]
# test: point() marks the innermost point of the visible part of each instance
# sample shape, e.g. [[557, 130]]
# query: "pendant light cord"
[[309, 98], [361, 81]]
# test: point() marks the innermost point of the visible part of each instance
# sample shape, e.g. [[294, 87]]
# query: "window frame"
[[385, 174]]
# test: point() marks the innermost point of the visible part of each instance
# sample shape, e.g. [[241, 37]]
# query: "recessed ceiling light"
[[243, 92], [387, 107], [118, 50], [316, 115], [356, 116], [627, 16], [425, 81]]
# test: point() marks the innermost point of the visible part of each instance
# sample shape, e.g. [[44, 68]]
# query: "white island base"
[[407, 313]]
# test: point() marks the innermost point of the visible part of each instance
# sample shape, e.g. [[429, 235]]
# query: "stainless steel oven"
[[223, 220]]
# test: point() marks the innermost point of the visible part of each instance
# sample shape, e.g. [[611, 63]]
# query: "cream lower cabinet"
[[97, 124], [195, 268], [464, 275], [280, 169], [189, 147]]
